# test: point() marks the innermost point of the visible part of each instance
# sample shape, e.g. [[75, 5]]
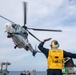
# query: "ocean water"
[[18, 73]]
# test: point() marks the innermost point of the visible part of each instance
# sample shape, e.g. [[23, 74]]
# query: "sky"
[[49, 14]]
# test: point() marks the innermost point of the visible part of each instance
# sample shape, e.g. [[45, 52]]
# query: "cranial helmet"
[[54, 44]]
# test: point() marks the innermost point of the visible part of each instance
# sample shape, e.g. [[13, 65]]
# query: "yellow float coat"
[[55, 59]]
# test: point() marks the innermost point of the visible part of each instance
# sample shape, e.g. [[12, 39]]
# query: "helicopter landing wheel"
[[15, 46], [26, 48]]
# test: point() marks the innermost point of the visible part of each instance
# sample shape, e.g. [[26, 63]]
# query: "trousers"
[[54, 72]]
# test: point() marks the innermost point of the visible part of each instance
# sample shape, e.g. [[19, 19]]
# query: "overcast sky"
[[50, 14]]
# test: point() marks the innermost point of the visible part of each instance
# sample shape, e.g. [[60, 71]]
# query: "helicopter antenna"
[[6, 19], [24, 3]]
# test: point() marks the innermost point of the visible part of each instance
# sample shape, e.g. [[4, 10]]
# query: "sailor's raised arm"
[[42, 49]]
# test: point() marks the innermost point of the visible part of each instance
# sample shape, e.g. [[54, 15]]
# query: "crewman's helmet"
[[54, 44]]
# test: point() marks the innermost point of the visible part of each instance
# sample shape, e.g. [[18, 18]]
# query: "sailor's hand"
[[47, 39]]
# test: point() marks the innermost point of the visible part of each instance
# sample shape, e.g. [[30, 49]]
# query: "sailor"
[[54, 57]]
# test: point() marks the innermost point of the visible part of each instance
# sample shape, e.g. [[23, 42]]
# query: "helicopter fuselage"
[[19, 35]]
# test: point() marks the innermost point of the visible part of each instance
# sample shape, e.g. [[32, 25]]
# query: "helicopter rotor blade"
[[25, 4], [6, 19], [33, 36], [45, 30]]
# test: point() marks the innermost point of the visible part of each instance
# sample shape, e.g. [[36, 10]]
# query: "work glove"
[[47, 39]]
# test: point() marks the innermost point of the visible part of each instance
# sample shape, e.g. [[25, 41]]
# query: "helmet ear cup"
[[52, 44]]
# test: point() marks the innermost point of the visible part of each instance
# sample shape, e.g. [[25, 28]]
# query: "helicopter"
[[19, 34]]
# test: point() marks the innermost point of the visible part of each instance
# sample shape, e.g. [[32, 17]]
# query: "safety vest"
[[55, 59]]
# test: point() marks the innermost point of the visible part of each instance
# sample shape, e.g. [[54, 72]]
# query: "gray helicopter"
[[19, 34]]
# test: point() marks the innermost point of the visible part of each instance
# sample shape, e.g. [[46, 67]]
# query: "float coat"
[[55, 59]]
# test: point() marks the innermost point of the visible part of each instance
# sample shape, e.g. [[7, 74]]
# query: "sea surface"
[[18, 73]]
